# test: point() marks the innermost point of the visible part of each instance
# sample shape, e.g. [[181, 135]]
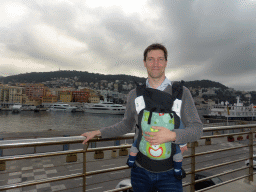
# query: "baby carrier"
[[155, 109]]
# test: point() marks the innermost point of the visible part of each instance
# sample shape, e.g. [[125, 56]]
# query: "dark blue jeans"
[[146, 181]]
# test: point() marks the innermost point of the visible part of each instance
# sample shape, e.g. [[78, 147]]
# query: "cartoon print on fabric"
[[156, 152]]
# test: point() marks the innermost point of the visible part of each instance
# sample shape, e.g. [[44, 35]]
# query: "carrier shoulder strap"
[[177, 89]]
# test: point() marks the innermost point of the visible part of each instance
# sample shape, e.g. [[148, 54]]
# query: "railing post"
[[193, 167], [116, 142], [250, 156], [2, 163], [84, 167], [1, 150], [65, 146]]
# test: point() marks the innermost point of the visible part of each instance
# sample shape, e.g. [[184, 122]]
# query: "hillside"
[[205, 84], [83, 76]]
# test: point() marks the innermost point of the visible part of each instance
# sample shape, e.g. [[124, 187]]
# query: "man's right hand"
[[90, 135]]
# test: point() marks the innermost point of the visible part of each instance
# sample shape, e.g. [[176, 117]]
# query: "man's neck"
[[155, 82]]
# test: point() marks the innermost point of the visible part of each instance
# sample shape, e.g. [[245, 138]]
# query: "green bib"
[[156, 152]]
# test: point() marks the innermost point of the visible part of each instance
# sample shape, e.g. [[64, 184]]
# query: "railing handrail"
[[229, 127], [4, 144]]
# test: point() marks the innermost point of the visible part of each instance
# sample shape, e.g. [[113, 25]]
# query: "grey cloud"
[[215, 38]]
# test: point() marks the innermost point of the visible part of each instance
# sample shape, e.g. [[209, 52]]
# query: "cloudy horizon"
[[213, 40]]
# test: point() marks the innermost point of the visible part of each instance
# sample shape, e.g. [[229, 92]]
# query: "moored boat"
[[231, 112], [105, 107], [16, 108], [62, 107]]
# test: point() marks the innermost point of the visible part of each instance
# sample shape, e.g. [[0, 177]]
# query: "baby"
[[177, 158]]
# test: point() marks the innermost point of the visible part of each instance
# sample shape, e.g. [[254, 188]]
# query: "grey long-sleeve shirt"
[[189, 116]]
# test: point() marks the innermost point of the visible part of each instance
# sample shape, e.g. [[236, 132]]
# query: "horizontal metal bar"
[[39, 155], [217, 175], [41, 181], [221, 128], [220, 165], [223, 183], [5, 144], [215, 166], [215, 151], [20, 143], [221, 174], [109, 148], [220, 150], [225, 135], [107, 170]]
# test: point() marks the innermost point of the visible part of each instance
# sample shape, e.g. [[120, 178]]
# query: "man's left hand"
[[162, 136]]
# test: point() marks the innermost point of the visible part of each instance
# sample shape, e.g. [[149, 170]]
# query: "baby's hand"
[[185, 148]]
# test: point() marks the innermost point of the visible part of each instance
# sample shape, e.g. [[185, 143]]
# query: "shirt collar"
[[163, 86]]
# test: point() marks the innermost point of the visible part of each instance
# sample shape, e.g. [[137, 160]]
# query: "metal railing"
[[10, 144]]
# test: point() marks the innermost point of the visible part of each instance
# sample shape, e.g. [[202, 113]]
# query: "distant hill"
[[83, 76], [204, 84]]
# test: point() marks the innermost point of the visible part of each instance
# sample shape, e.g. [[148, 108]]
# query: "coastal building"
[[58, 91], [33, 102], [116, 87], [49, 99], [11, 94], [80, 96], [65, 96], [94, 98], [4, 94], [16, 94], [35, 91]]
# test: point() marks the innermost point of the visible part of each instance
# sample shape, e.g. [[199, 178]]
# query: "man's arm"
[[121, 128], [189, 116]]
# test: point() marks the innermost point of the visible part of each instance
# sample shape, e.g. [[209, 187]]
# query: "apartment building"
[[80, 96], [4, 94], [35, 91], [65, 96], [94, 98], [49, 99]]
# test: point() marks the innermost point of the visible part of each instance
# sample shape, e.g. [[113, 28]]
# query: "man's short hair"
[[155, 46]]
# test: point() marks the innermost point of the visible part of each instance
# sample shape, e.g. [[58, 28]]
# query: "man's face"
[[155, 64]]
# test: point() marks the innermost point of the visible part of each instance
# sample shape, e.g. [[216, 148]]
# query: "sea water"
[[30, 121]]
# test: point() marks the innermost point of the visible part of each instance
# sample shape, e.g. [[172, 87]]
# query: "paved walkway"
[[238, 186]]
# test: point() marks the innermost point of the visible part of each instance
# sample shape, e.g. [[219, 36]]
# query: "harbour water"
[[58, 123], [29, 121]]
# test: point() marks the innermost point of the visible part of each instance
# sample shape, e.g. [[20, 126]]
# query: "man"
[[155, 61]]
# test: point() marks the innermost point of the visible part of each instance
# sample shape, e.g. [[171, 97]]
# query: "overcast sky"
[[213, 39]]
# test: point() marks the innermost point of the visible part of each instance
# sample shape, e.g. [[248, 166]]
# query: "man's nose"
[[156, 62]]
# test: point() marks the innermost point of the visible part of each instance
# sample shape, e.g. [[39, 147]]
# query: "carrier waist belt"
[[154, 165]]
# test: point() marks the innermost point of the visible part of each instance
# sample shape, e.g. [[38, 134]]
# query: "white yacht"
[[232, 112], [62, 107], [104, 107], [16, 108]]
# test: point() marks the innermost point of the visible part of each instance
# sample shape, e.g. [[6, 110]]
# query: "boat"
[[231, 112], [104, 107], [62, 107], [16, 108]]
